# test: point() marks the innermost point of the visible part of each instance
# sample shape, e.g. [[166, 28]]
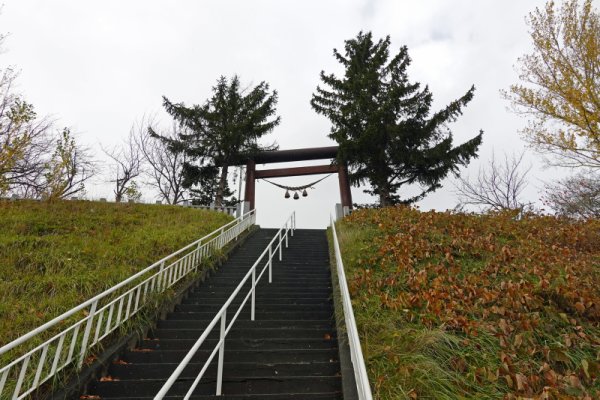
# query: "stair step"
[[297, 332], [231, 370], [303, 396], [265, 356], [265, 396], [278, 275], [259, 315], [250, 327], [242, 385], [261, 301], [265, 287], [263, 307], [277, 278], [242, 344], [305, 264], [266, 291]]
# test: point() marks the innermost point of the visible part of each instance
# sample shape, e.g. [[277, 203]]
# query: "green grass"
[[54, 256], [457, 306]]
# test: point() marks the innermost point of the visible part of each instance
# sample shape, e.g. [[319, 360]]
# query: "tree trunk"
[[384, 196], [382, 200], [221, 187]]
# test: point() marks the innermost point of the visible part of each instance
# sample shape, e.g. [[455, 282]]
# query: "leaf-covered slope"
[[475, 306]]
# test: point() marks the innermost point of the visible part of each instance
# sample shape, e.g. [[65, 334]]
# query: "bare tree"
[[165, 172], [34, 161], [498, 186], [25, 142], [126, 165], [25, 177], [68, 169], [576, 196], [24, 139]]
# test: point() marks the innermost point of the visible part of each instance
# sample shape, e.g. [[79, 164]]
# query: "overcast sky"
[[98, 66]]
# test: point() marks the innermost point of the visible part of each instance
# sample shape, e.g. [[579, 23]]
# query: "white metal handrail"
[[104, 313], [358, 362], [281, 236], [231, 210]]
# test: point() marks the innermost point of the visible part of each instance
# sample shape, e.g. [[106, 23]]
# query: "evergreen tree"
[[383, 125], [221, 131]]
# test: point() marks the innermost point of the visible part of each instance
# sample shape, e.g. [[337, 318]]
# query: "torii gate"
[[315, 153]]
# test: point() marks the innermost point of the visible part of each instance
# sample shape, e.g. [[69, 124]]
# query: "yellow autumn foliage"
[[560, 81]]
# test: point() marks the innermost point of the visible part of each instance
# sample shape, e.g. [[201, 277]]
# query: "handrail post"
[[220, 240], [286, 237], [253, 294], [221, 353], [86, 335], [198, 257], [161, 277], [280, 245], [271, 262]]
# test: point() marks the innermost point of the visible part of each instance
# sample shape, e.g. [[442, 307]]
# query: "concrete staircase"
[[289, 352]]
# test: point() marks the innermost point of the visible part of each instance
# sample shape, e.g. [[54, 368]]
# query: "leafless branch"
[[126, 164], [26, 142], [498, 186], [165, 166], [576, 196]]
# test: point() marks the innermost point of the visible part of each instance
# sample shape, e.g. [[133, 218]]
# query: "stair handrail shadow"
[[44, 361], [358, 362], [281, 236]]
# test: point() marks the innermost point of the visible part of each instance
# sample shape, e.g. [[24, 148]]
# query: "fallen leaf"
[[575, 382], [521, 382], [518, 340], [90, 360], [108, 378], [509, 381], [586, 368]]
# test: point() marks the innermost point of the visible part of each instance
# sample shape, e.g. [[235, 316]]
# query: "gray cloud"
[[98, 66]]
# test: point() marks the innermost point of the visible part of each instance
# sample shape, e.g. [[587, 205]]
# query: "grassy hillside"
[[453, 306], [53, 256]]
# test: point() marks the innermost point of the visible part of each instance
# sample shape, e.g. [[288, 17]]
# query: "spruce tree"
[[383, 125], [225, 129]]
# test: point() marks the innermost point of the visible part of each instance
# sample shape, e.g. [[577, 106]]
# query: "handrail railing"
[[105, 312], [358, 362], [231, 210], [281, 236]]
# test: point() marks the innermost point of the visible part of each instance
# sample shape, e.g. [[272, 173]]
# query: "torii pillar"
[[317, 153]]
